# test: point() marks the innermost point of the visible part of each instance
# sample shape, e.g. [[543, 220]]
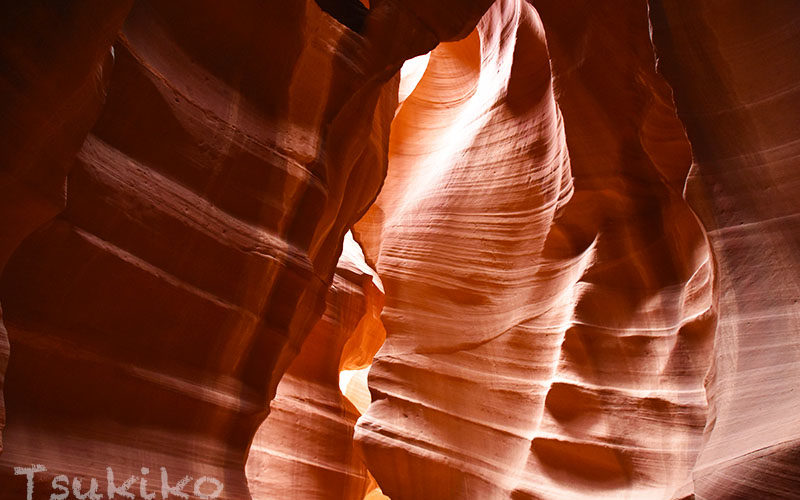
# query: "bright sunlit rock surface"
[[354, 250]]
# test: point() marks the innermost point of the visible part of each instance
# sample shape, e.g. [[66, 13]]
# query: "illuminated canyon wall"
[[465, 249]]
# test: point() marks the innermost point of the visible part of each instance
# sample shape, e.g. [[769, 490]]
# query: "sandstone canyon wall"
[[575, 250], [181, 176], [737, 90], [549, 293], [305, 447]]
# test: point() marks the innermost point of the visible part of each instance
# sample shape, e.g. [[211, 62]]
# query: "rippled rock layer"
[[549, 293], [574, 250]]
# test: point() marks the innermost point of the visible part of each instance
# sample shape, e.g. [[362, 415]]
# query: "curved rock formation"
[[151, 320], [580, 311], [52, 86], [582, 214], [734, 69], [154, 301], [305, 448]]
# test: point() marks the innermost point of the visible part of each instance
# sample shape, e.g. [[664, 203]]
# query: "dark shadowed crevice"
[[351, 13]]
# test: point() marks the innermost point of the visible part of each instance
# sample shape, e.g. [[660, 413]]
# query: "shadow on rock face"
[[351, 13]]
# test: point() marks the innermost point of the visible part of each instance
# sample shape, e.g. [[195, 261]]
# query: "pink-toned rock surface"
[[305, 447], [151, 319], [736, 74], [549, 298], [172, 226], [582, 214]]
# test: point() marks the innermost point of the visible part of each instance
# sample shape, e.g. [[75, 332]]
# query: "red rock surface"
[[737, 90], [56, 64], [151, 319], [547, 264], [305, 447], [579, 232]]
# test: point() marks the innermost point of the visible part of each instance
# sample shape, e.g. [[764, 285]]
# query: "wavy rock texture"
[[52, 86], [305, 448], [154, 299], [586, 230], [734, 68], [549, 293], [151, 320]]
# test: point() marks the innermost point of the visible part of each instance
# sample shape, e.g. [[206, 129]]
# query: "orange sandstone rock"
[[304, 449], [735, 72], [154, 300], [583, 215], [151, 320], [549, 293], [56, 61]]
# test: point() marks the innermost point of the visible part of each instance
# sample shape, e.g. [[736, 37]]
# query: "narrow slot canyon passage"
[[399, 250], [306, 443], [537, 343]]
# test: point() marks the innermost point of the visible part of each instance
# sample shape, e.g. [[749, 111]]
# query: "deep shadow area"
[[351, 13]]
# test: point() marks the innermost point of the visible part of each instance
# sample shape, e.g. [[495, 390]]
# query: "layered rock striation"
[[579, 235], [735, 77], [178, 194], [550, 305], [305, 447], [152, 317]]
